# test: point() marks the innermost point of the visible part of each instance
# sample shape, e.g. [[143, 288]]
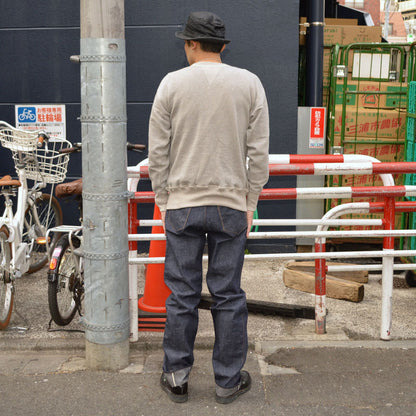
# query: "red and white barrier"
[[315, 165]]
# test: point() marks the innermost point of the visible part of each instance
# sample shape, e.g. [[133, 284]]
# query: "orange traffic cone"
[[155, 290]]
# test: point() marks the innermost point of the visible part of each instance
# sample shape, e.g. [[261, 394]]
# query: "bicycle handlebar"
[[76, 147], [136, 147], [130, 146], [42, 138]]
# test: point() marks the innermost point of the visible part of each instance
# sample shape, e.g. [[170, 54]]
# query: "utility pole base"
[[108, 357]]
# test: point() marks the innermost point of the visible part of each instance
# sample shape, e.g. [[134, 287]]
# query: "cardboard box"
[[340, 22], [333, 35], [361, 34], [302, 31], [343, 32], [345, 35], [357, 100], [367, 122], [383, 150], [395, 96]]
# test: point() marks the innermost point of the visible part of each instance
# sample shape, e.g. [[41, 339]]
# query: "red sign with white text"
[[317, 127]]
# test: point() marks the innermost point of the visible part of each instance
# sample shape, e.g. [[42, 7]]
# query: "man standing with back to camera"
[[208, 162]]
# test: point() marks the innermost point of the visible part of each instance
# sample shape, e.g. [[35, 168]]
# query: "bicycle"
[[66, 271], [23, 232]]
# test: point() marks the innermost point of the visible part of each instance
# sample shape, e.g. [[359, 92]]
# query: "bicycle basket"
[[45, 165], [16, 139]]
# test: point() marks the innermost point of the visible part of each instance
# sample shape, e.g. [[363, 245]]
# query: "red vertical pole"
[[389, 219], [132, 228], [320, 290]]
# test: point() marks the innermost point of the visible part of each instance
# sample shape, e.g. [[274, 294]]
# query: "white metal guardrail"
[[312, 165]]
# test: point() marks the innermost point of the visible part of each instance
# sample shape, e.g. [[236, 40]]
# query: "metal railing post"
[[387, 272]]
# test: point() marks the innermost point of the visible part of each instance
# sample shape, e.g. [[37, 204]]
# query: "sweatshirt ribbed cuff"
[[161, 201], [252, 199]]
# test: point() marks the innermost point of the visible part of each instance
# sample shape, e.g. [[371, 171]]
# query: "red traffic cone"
[[155, 290]]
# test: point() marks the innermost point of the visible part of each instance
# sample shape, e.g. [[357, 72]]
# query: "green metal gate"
[[367, 106], [409, 220]]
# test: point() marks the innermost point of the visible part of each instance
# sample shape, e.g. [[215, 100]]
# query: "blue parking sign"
[[26, 114]]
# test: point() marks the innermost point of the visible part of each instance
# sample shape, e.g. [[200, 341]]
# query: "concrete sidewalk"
[[370, 378], [347, 371]]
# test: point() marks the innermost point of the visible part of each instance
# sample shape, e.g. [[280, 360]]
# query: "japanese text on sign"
[[49, 118], [317, 127]]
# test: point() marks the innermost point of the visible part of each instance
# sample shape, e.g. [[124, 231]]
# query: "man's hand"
[[250, 215], [163, 215]]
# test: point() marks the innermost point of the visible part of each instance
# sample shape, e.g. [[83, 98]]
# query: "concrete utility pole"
[[386, 19], [104, 162]]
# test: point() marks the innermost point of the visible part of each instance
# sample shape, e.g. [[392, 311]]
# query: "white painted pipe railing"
[[356, 164]]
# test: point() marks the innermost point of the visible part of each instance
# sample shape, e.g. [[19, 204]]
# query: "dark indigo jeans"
[[187, 232]]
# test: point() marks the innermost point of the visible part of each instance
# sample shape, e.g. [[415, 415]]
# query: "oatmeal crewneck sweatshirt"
[[209, 138]]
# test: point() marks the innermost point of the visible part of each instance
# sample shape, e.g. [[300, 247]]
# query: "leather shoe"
[[178, 394], [243, 387]]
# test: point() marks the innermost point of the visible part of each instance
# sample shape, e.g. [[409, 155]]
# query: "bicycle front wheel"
[[65, 288], [49, 213], [6, 285]]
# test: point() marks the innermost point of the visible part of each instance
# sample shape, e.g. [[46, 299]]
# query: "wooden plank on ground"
[[335, 288], [268, 308], [360, 276]]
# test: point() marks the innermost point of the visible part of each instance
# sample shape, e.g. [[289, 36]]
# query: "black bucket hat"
[[204, 26]]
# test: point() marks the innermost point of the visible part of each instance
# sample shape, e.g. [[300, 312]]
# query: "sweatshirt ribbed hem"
[[203, 196]]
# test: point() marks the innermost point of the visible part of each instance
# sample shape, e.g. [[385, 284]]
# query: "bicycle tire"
[[38, 255], [6, 285], [63, 282]]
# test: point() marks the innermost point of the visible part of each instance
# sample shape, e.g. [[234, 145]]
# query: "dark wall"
[[35, 66]]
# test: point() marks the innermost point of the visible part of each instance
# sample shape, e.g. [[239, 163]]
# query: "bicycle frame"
[[72, 231], [78, 234], [15, 221]]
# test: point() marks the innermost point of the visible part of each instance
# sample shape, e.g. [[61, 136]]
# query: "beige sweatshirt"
[[209, 138]]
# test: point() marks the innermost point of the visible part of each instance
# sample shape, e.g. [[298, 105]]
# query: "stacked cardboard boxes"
[[368, 111], [367, 130], [336, 31], [368, 123]]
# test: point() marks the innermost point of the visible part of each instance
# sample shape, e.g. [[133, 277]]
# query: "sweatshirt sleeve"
[[257, 146], [159, 145]]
